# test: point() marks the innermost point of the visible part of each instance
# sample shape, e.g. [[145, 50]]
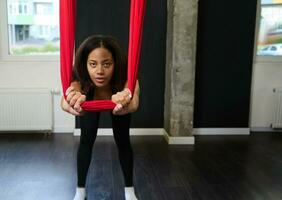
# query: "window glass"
[[33, 27], [270, 32]]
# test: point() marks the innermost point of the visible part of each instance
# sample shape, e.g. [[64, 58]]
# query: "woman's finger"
[[127, 100], [117, 108], [70, 96], [69, 90], [75, 98], [77, 104], [115, 111], [124, 110], [128, 92], [121, 99], [74, 112]]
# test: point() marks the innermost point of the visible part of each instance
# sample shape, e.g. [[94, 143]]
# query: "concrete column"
[[180, 66]]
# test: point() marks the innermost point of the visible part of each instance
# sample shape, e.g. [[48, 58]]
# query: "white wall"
[[266, 76], [32, 71], [38, 74]]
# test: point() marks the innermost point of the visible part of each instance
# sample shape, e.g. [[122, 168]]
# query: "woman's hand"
[[126, 104], [122, 99], [73, 101], [67, 108], [75, 98]]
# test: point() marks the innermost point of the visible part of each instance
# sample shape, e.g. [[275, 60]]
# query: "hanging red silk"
[[67, 38]]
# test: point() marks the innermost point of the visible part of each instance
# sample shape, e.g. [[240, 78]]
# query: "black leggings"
[[89, 126]]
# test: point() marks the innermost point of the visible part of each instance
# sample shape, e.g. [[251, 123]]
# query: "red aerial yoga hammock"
[[67, 38]]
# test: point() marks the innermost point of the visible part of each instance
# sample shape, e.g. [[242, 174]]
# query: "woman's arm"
[[134, 104]]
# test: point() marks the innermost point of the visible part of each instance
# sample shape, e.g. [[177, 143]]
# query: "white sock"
[[80, 194], [129, 193]]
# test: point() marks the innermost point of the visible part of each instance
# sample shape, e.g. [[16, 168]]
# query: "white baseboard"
[[148, 132], [221, 131], [265, 129], [63, 129], [178, 139]]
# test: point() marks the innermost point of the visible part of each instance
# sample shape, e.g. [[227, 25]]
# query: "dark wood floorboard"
[[36, 167]]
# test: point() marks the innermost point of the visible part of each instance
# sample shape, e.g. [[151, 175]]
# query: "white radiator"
[[277, 116], [26, 109]]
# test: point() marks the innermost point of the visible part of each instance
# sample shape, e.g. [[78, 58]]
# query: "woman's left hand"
[[121, 110], [126, 104], [122, 99]]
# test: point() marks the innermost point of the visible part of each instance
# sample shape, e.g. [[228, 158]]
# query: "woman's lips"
[[100, 80]]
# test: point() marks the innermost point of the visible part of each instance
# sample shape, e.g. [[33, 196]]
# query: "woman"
[[101, 72]]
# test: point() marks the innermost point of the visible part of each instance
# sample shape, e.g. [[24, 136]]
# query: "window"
[[270, 31], [33, 27], [43, 8], [20, 9], [25, 9]]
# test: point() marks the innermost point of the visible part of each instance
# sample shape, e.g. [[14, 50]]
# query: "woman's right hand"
[[73, 101], [67, 108]]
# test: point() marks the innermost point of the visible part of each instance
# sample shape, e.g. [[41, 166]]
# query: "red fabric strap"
[[67, 30], [67, 38]]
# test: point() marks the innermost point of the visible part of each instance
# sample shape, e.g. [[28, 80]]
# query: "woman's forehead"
[[100, 53]]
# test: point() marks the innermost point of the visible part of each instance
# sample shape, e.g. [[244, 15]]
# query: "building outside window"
[[270, 31], [43, 8], [33, 27]]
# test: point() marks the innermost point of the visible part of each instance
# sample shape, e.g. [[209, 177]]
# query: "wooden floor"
[[36, 167]]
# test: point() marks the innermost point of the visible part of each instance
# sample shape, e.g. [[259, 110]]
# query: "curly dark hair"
[[119, 56]]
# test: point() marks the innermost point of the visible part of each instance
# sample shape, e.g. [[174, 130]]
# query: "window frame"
[[262, 58], [4, 42]]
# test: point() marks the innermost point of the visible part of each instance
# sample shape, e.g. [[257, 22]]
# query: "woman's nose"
[[100, 69]]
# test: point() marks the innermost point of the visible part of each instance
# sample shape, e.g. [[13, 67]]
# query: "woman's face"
[[100, 66]]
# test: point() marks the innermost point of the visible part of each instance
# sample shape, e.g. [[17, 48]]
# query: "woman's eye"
[[93, 64], [107, 64]]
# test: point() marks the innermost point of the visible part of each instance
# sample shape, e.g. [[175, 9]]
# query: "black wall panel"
[[111, 17], [225, 42]]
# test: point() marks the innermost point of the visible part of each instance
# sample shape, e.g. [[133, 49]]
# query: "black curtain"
[[225, 44], [111, 17]]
